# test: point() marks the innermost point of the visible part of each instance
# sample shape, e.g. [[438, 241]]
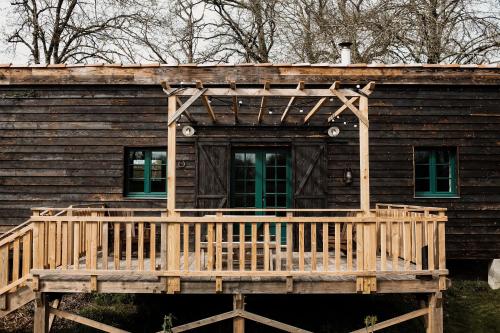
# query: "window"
[[435, 172], [146, 172]]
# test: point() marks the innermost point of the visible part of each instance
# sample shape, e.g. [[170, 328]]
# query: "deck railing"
[[390, 239]]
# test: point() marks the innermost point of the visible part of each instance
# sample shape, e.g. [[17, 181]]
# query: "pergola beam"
[[271, 92], [263, 102], [354, 109], [320, 103], [204, 99], [184, 106], [290, 103]]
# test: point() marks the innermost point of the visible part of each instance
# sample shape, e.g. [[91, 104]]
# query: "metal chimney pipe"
[[345, 53]]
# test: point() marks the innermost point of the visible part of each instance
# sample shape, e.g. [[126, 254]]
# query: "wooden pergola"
[[354, 100]]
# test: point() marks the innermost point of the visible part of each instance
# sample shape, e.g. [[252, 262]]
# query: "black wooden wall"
[[62, 145]]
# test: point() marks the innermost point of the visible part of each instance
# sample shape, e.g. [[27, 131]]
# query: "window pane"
[[239, 186], [239, 159], [281, 200], [239, 173], [443, 185], [270, 201], [250, 159], [270, 159], [270, 173], [442, 156], [160, 156], [281, 159], [138, 170], [422, 185], [281, 173], [421, 171], [249, 201], [421, 156], [250, 186], [158, 185], [442, 171], [239, 201], [250, 173], [281, 188], [136, 186], [270, 186]]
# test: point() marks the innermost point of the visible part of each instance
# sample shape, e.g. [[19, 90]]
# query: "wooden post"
[[364, 165], [435, 318], [41, 317], [173, 229], [238, 322]]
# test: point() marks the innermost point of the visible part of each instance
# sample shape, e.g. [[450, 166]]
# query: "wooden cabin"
[[244, 179]]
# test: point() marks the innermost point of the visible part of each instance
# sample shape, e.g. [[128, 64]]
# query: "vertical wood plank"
[[349, 247], [58, 242], [301, 246], [230, 240], [267, 240], [94, 239], [140, 245], [128, 245], [418, 246], [395, 246], [210, 246], [407, 236], [360, 244], [218, 250], [278, 247], [152, 246], [4, 265], [383, 245], [15, 258], [105, 245], [314, 245], [185, 246], [242, 247], [116, 245], [197, 247], [52, 239], [442, 243], [289, 244], [254, 247], [337, 246], [27, 253], [430, 241], [163, 243], [64, 245], [325, 247], [364, 160], [76, 245]]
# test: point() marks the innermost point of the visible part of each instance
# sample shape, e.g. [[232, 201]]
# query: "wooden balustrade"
[[388, 240]]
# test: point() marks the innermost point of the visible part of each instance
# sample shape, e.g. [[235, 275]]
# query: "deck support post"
[[41, 317], [238, 322], [435, 318], [173, 229]]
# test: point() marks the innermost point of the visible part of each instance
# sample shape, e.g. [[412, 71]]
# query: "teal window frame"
[[433, 177], [147, 193]]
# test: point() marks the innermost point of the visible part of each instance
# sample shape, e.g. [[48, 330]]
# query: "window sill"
[[126, 198], [436, 197]]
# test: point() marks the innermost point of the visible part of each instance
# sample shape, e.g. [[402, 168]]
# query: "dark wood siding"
[[62, 145]]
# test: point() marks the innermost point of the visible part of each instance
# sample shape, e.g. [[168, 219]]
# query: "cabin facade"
[[287, 179]]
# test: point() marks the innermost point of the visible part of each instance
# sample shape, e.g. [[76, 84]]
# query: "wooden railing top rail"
[[240, 218], [409, 207]]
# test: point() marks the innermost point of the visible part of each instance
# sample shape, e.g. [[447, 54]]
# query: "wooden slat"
[[267, 240], [230, 241], [407, 244], [278, 247], [395, 246], [4, 265], [52, 239], [360, 245], [197, 247], [315, 109], [325, 247], [185, 246], [210, 246], [383, 244], [93, 243], [128, 245], [15, 258], [152, 246], [242, 247], [76, 245], [254, 247], [418, 245], [116, 245], [301, 246], [263, 103], [218, 251], [27, 250], [104, 244], [235, 102], [430, 244], [58, 243], [64, 245], [163, 244], [394, 321], [85, 321], [441, 243], [206, 103], [314, 245], [349, 247], [337, 246], [140, 246]]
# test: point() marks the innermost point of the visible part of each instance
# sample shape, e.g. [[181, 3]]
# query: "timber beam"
[[300, 86]]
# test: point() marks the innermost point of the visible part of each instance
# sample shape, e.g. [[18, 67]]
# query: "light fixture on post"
[[347, 176], [188, 131]]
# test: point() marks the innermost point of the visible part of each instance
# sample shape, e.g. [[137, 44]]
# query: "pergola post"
[[364, 160], [173, 229]]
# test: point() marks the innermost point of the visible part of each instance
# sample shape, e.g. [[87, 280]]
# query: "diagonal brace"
[[184, 106]]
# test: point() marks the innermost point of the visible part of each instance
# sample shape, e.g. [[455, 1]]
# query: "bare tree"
[[58, 31], [245, 28], [448, 31]]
